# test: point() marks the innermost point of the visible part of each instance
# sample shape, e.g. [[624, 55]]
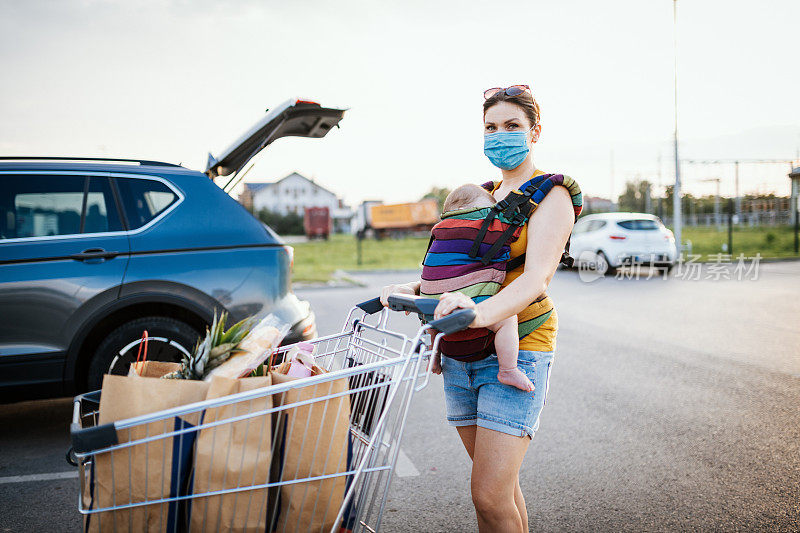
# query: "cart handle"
[[452, 323]]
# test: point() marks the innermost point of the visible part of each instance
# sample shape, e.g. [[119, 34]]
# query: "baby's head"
[[469, 195]]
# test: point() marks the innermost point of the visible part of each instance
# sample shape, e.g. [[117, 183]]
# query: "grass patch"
[[769, 241], [317, 260]]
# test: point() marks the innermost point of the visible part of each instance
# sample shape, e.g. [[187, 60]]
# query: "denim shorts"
[[474, 396]]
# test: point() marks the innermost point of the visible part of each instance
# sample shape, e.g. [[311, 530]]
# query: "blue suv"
[[93, 252]]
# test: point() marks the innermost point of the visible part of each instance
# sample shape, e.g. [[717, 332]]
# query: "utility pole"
[[612, 177], [717, 214], [676, 193], [738, 198], [730, 226], [660, 206]]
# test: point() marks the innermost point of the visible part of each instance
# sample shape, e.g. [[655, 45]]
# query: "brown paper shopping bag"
[[313, 442], [233, 455], [146, 471]]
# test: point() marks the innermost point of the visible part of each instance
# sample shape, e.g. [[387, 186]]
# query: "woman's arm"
[[548, 231]]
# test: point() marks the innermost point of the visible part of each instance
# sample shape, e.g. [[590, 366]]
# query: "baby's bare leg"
[[506, 344], [436, 359], [436, 363]]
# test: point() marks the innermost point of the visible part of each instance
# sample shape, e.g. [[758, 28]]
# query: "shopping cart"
[[382, 370]]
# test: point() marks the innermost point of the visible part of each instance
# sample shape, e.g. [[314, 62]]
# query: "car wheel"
[[601, 264], [168, 340], [604, 265]]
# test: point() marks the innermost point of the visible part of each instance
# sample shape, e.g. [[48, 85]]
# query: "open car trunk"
[[293, 118]]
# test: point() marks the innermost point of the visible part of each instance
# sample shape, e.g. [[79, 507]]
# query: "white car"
[[607, 241]]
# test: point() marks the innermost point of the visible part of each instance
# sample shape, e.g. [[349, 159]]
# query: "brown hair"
[[469, 195], [524, 101]]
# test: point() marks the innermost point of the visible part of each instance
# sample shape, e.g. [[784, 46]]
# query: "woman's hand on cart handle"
[[450, 301], [411, 288]]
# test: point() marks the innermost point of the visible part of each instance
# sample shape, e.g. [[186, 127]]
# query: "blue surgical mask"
[[506, 149]]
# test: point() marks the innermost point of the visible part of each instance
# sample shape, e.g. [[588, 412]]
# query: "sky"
[[175, 80]]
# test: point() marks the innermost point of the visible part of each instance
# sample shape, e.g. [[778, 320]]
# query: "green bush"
[[288, 224]]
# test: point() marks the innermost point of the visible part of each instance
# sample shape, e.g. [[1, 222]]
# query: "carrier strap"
[[521, 206], [501, 240], [476, 244], [518, 208]]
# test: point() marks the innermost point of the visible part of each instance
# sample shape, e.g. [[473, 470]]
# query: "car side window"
[[52, 205], [101, 213], [595, 225], [144, 199]]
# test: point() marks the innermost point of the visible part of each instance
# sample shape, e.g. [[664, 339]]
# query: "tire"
[[602, 259], [168, 339]]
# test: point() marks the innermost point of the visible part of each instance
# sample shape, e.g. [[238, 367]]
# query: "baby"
[[506, 340]]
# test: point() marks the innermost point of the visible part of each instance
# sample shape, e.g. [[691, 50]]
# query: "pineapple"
[[214, 349]]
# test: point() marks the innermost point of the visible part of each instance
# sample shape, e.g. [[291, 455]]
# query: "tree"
[[437, 193], [288, 224], [634, 198]]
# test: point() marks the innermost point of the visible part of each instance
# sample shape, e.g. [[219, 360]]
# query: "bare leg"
[[497, 458], [436, 363], [467, 434], [436, 359], [519, 499], [506, 343]]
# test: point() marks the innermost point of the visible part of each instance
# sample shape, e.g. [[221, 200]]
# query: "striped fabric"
[[447, 267]]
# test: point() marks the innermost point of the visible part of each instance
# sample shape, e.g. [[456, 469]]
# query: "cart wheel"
[[71, 459]]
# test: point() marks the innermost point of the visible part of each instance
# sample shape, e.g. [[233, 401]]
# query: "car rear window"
[[638, 224], [144, 199]]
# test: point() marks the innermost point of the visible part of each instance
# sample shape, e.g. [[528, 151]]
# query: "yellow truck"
[[403, 219]]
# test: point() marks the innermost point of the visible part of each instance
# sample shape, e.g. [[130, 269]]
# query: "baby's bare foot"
[[516, 378]]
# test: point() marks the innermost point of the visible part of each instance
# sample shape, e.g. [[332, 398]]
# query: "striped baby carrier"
[[469, 252]]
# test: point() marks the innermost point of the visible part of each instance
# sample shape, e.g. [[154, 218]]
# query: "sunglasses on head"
[[513, 90]]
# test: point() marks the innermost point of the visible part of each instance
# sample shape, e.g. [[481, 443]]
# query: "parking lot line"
[[39, 477]]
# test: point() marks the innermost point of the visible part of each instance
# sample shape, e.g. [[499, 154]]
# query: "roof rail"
[[118, 159]]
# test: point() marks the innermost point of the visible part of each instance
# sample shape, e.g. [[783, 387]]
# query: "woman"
[[496, 422]]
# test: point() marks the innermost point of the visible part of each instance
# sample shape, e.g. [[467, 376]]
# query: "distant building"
[[596, 204], [292, 194]]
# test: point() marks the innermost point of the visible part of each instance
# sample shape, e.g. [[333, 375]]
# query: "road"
[[673, 405]]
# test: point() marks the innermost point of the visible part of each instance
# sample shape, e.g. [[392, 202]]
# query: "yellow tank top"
[[537, 323]]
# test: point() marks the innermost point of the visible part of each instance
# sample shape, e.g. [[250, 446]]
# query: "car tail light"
[[669, 236], [306, 102], [290, 253], [308, 329], [617, 237]]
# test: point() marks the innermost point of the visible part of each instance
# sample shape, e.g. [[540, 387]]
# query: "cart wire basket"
[[308, 454]]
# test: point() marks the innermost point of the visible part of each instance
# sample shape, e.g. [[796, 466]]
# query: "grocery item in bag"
[[148, 471], [233, 455], [301, 360], [314, 440], [254, 349]]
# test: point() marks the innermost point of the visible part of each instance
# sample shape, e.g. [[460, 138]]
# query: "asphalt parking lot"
[[673, 405]]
